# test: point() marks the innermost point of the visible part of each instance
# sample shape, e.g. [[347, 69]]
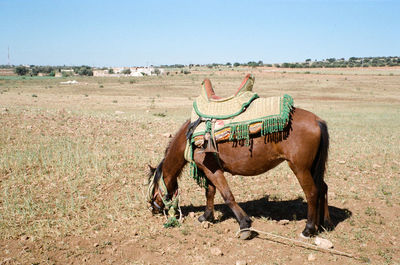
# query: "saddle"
[[238, 116], [209, 105]]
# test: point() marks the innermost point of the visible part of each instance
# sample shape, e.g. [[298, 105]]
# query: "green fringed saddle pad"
[[263, 115]]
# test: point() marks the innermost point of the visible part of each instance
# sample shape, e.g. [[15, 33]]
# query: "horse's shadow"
[[273, 209]]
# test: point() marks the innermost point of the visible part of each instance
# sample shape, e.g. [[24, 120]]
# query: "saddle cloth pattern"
[[222, 108], [265, 115]]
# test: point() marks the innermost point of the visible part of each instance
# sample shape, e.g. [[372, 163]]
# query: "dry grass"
[[73, 165]]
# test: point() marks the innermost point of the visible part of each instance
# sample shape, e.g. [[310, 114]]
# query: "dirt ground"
[[74, 167]]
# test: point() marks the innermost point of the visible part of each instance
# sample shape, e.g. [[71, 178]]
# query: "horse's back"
[[299, 147]]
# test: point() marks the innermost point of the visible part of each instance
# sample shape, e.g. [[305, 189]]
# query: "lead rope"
[[299, 243]]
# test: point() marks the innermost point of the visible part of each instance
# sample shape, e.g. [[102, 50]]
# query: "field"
[[73, 171]]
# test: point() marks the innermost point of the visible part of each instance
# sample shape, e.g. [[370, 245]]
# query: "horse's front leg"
[[216, 176], [209, 212]]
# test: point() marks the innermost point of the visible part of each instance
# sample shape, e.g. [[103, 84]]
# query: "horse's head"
[[153, 192]]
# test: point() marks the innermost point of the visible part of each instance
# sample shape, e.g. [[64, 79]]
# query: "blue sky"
[[133, 33]]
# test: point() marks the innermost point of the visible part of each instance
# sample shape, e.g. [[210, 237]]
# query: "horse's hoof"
[[328, 225], [309, 230], [245, 235], [303, 236], [203, 217]]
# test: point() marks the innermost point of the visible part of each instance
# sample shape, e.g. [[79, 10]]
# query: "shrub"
[[21, 70], [126, 71]]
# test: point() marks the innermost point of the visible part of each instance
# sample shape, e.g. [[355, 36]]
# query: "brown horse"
[[305, 149]]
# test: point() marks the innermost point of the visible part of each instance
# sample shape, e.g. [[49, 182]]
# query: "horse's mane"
[[155, 174]]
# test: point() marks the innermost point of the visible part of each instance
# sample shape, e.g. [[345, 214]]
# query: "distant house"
[[98, 72], [135, 71], [7, 72]]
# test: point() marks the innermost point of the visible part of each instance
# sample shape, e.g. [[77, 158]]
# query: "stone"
[[241, 262], [323, 243], [24, 238], [375, 166], [191, 214], [311, 257], [216, 251], [206, 225], [167, 135], [119, 112], [283, 222]]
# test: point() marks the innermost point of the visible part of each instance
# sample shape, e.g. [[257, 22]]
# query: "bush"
[[21, 70], [126, 71]]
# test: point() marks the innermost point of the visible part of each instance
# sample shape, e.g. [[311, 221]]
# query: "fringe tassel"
[[198, 175]]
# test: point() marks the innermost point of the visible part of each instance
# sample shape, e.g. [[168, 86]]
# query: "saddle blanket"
[[265, 115]]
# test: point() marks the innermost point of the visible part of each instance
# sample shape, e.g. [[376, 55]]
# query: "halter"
[[171, 205]]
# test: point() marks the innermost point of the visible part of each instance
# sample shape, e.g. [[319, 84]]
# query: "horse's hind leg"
[[325, 219], [310, 190], [209, 212]]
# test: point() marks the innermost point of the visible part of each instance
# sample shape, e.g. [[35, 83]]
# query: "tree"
[[236, 64], [35, 70], [110, 71], [21, 70], [126, 71], [157, 71]]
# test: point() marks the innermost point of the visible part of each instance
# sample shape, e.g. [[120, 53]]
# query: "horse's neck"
[[174, 160]]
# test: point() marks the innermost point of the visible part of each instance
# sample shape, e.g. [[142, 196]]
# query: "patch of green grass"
[[160, 114]]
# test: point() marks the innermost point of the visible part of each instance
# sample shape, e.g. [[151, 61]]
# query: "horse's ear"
[[151, 169]]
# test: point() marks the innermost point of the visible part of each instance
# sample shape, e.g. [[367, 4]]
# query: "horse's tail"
[[319, 166]]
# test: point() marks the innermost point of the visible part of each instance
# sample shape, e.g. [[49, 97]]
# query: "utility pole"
[[8, 55]]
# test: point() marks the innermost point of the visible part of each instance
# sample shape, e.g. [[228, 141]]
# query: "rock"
[[206, 225], [119, 112], [311, 257], [191, 214], [135, 232], [216, 251], [241, 262], [323, 243], [95, 245], [375, 166], [341, 162], [168, 135], [227, 231], [24, 238], [283, 222]]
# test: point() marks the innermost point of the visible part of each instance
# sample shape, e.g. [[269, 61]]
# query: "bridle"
[[170, 205]]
